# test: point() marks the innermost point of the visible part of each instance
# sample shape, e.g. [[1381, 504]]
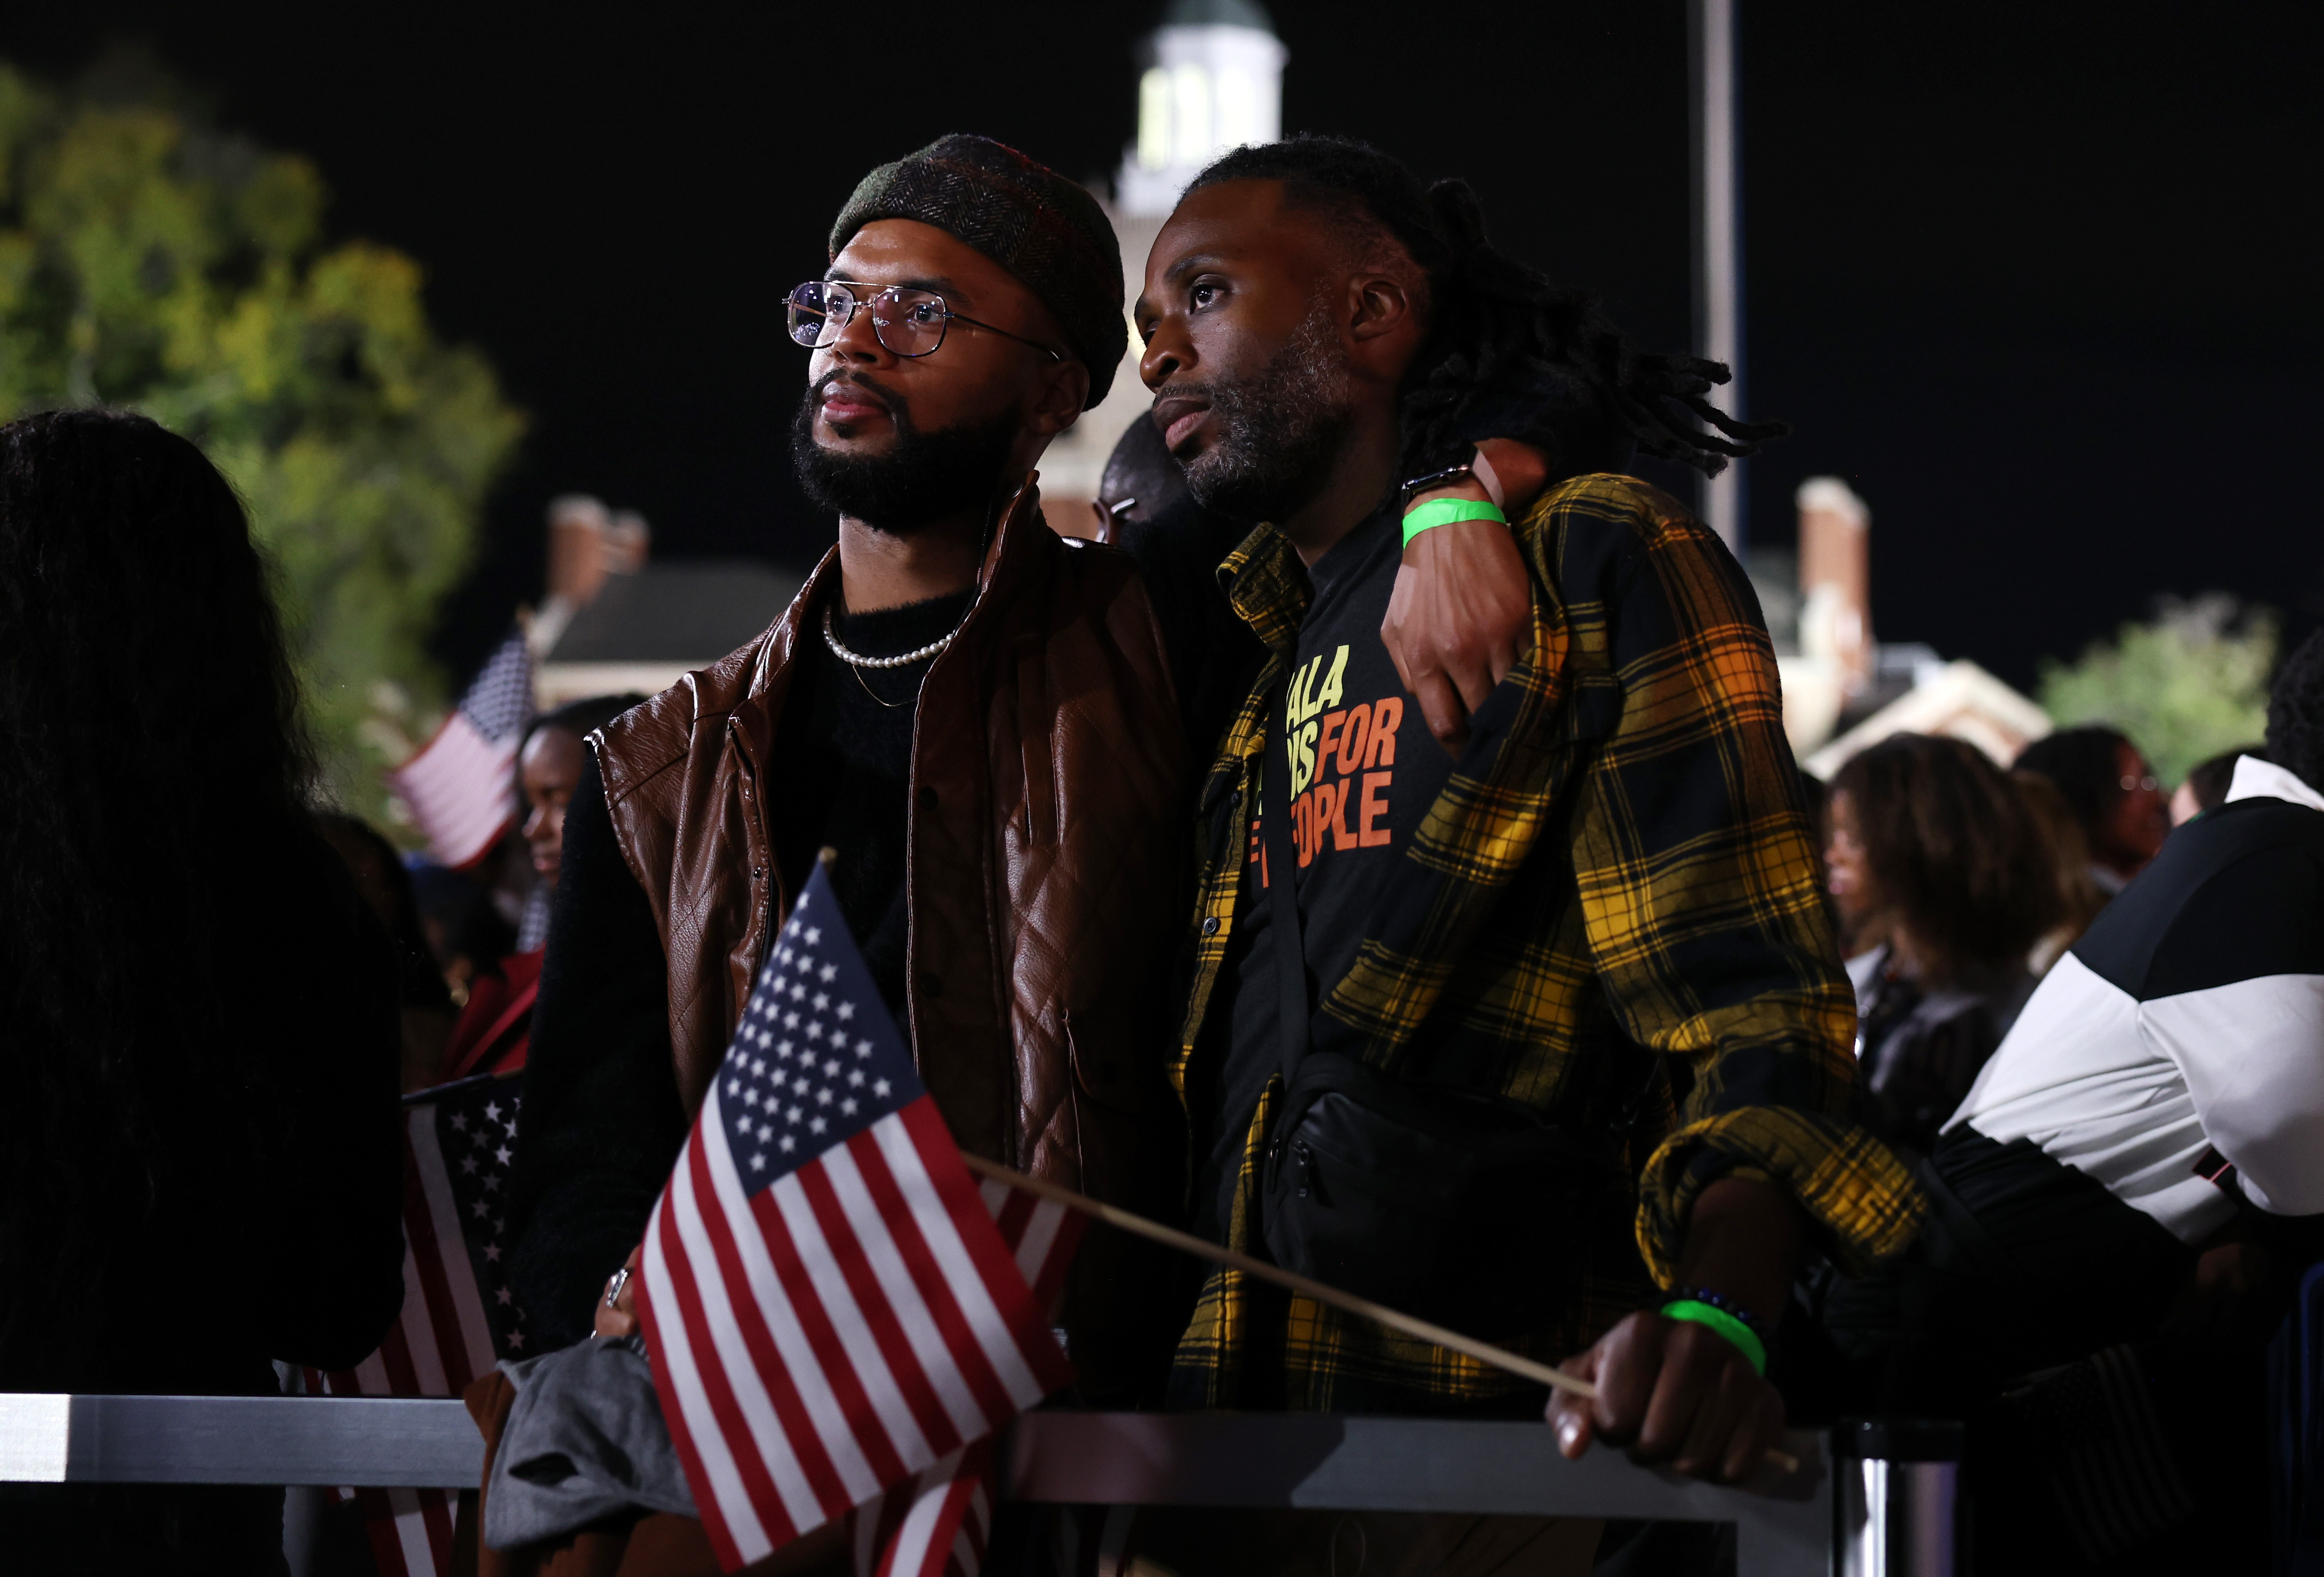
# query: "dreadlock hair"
[[1498, 328]]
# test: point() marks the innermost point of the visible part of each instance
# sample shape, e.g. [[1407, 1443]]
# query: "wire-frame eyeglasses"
[[911, 323]]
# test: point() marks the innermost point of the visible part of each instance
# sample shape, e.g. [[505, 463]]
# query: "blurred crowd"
[[469, 943], [1956, 885]]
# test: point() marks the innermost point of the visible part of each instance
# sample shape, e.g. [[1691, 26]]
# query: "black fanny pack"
[[1436, 1202]]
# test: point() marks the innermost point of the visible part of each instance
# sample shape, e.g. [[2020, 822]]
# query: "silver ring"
[[613, 1287]]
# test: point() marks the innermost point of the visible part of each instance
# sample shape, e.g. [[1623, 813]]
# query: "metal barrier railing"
[[1310, 1462], [1785, 1526]]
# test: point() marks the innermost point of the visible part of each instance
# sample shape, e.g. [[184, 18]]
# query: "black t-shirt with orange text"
[[1363, 772]]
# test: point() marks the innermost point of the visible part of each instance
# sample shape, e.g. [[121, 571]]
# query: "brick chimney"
[[1836, 578], [578, 527]]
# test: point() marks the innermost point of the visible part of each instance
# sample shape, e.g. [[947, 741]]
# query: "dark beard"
[[1280, 434], [924, 478]]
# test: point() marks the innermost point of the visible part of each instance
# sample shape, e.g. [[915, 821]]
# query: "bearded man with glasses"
[[977, 717]]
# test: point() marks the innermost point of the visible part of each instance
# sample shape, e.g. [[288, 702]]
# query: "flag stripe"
[[442, 1336], [780, 1479], [430, 1306], [458, 789], [936, 1186], [933, 1513], [1039, 1236], [927, 1320], [946, 1520], [1010, 1209], [1049, 1286], [737, 1533], [409, 1530], [467, 1302], [782, 1398], [410, 1348], [852, 1349], [852, 1363], [426, 1513], [376, 1376], [839, 1315], [940, 1327]]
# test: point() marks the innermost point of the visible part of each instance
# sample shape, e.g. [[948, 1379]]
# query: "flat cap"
[[1047, 231]]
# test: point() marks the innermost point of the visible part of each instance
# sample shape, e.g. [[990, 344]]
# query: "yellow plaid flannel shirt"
[[1620, 859]]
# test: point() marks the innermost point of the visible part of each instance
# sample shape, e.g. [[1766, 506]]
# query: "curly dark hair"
[[1957, 856], [2210, 779], [1497, 328], [2295, 712], [155, 752], [2085, 764]]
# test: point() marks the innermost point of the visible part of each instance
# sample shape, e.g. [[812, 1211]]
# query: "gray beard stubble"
[[1281, 432]]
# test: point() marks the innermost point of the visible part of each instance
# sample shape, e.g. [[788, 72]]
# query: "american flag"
[[832, 1306], [460, 1317], [459, 786]]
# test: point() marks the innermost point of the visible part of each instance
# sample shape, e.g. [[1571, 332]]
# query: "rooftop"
[[1217, 14], [683, 611]]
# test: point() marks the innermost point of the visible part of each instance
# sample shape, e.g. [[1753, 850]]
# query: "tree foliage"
[[2186, 685], [148, 261]]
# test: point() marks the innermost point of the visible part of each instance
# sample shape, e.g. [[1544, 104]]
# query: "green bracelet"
[[1443, 512], [1726, 1325]]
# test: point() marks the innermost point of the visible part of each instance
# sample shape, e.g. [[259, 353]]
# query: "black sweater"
[[602, 1124]]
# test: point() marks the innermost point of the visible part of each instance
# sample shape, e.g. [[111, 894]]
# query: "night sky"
[[2040, 280]]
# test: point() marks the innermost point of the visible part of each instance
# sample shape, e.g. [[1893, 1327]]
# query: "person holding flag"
[[459, 786], [835, 1316], [975, 715]]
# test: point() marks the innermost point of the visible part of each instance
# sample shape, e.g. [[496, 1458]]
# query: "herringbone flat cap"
[[1045, 229]]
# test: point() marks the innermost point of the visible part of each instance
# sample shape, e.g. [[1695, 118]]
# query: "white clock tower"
[[1212, 81]]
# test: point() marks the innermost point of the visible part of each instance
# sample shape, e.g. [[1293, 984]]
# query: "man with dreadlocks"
[[1548, 1041]]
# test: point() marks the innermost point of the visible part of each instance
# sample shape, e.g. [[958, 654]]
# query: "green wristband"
[[1726, 1325], [1443, 512]]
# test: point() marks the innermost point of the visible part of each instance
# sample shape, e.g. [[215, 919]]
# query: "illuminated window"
[[1237, 110], [1191, 116], [1154, 118]]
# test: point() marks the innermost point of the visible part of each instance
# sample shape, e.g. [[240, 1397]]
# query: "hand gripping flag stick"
[[1307, 1287]]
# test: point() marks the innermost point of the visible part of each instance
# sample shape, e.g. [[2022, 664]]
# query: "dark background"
[[2040, 280]]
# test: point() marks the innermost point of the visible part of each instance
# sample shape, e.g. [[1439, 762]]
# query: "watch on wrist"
[[1412, 488]]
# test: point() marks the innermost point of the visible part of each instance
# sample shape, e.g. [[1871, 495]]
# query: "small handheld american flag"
[[458, 786], [460, 1316], [834, 1306]]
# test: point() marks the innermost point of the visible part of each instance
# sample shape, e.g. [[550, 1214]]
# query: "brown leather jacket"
[[1046, 850]]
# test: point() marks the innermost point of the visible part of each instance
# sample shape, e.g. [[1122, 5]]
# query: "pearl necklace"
[[903, 659]]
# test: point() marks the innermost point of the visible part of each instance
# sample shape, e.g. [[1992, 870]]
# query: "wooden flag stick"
[[1484, 1352], [1186, 1242]]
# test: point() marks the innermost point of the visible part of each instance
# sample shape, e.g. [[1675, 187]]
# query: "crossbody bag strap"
[[1282, 869]]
